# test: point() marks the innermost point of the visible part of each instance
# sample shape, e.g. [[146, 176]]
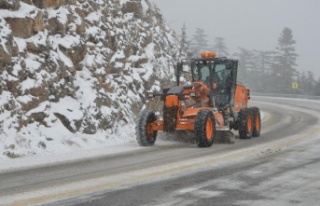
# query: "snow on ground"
[[123, 142], [112, 147]]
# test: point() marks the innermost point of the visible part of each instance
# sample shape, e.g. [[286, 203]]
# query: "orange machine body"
[[242, 96]]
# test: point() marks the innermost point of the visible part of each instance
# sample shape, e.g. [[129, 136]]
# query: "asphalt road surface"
[[278, 168]]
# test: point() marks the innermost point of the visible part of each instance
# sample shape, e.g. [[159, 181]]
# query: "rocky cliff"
[[75, 71]]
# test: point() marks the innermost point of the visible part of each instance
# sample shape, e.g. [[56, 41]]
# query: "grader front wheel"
[[144, 134], [205, 128]]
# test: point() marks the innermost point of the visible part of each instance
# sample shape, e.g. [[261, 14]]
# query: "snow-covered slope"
[[73, 73]]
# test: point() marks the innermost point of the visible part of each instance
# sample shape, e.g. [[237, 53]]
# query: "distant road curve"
[[178, 173], [295, 96]]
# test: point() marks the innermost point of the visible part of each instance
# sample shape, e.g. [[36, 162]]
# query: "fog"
[[251, 24]]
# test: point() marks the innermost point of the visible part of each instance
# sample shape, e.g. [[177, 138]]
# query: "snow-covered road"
[[277, 167]]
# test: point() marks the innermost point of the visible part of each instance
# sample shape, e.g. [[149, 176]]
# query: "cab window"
[[201, 72]]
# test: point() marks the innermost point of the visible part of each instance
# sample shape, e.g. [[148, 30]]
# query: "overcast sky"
[[251, 24]]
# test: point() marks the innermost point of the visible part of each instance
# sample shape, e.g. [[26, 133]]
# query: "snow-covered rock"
[[74, 73]]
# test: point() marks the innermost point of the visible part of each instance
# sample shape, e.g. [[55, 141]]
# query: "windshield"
[[205, 72], [222, 74], [201, 72]]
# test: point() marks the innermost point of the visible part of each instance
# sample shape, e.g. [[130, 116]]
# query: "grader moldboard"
[[213, 102]]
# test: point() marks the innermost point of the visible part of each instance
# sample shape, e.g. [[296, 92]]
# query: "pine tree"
[[317, 88], [285, 60], [302, 82], [246, 66], [199, 42], [184, 43], [311, 83], [264, 62], [220, 48]]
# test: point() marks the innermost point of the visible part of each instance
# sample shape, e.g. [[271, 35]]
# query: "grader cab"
[[211, 102]]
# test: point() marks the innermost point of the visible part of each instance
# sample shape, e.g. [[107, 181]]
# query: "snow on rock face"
[[75, 74]]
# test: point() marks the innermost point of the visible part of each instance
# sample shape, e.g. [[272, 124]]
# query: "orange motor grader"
[[212, 102]]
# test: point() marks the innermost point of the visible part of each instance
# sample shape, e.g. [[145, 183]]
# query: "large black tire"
[[245, 124], [205, 128], [144, 135], [256, 121]]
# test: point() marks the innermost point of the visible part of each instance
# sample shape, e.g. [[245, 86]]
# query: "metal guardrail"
[[297, 96]]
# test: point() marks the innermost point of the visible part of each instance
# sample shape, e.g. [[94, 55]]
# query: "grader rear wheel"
[[256, 121], [245, 124]]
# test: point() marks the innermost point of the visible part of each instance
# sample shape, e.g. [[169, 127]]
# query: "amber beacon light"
[[208, 54]]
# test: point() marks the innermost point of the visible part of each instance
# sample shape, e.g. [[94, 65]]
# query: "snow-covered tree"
[[317, 88], [199, 42], [285, 60], [184, 42], [264, 61], [308, 84], [246, 65], [220, 48], [263, 69]]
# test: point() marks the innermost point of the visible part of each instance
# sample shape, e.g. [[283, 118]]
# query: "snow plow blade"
[[225, 137]]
